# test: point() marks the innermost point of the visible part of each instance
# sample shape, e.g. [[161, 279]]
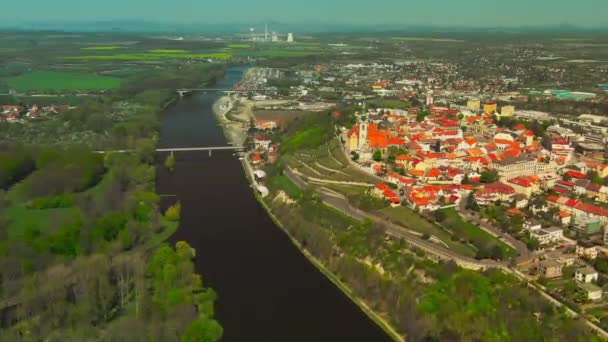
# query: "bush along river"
[[267, 289]]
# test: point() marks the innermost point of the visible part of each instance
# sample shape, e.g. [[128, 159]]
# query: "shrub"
[[173, 213]]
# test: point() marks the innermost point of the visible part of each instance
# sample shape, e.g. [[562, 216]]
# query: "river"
[[268, 291]]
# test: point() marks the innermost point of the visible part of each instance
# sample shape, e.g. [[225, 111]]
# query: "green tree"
[[440, 215], [377, 155], [174, 212], [170, 162], [489, 176], [145, 149], [202, 330]]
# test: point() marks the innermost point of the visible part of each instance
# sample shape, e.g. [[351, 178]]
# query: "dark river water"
[[268, 291]]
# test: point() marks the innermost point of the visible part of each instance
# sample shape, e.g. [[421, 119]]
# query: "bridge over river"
[[209, 149]]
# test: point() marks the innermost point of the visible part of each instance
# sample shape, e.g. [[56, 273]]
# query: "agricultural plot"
[[102, 48], [154, 56], [56, 80]]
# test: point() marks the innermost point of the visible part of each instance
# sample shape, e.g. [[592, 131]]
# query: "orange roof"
[[471, 119], [514, 211], [434, 172], [474, 151], [503, 141], [354, 130], [415, 172]]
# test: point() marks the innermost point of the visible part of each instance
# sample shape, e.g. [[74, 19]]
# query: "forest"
[[82, 252]]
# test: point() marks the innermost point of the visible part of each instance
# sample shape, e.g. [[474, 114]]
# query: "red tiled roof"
[[433, 173]]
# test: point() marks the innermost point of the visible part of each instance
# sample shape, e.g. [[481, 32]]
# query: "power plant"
[[269, 36]]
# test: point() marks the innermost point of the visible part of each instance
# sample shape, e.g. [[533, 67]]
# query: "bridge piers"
[[210, 153]]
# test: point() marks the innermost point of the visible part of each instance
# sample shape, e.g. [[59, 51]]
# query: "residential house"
[[525, 185], [531, 226], [490, 193], [262, 141], [586, 250], [550, 269], [384, 191], [594, 292], [563, 217], [586, 275], [548, 235]]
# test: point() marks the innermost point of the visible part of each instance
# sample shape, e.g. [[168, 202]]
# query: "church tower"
[[363, 134], [363, 126]]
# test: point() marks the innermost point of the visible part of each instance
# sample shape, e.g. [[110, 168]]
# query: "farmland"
[[102, 48], [56, 80], [155, 56]]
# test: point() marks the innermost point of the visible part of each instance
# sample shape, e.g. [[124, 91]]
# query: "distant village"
[[21, 113]]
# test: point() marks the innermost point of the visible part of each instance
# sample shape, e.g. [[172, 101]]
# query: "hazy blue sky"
[[414, 12]]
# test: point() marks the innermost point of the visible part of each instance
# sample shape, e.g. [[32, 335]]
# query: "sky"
[[470, 13]]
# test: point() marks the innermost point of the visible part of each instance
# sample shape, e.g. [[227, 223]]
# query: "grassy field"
[[472, 232], [168, 51], [154, 56], [279, 53], [102, 48], [238, 46], [428, 39], [323, 160], [58, 80], [22, 218], [415, 222], [283, 183]]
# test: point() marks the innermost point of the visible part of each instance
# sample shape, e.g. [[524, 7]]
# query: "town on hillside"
[[537, 181]]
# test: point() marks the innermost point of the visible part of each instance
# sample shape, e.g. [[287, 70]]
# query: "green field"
[[102, 48], [154, 56], [473, 233], [58, 80], [238, 46], [168, 51], [22, 219], [415, 222], [424, 39], [280, 53]]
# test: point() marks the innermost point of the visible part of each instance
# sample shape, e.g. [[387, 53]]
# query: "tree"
[[202, 330], [489, 176], [471, 203], [595, 177], [145, 149], [440, 215], [532, 244], [174, 211], [421, 116], [170, 162], [377, 156]]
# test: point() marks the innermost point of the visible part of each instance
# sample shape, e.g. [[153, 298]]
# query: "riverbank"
[[234, 116], [345, 288]]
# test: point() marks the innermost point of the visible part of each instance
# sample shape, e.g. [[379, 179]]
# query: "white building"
[[548, 235], [586, 275], [593, 291]]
